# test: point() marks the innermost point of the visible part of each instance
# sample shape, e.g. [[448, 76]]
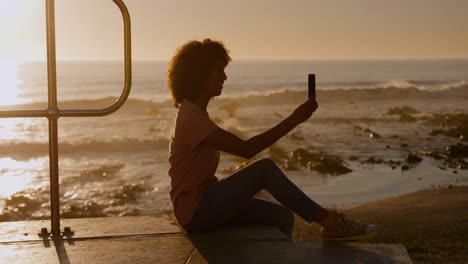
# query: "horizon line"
[[255, 59]]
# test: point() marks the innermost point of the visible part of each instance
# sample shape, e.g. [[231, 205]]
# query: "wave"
[[285, 94], [390, 90], [27, 150]]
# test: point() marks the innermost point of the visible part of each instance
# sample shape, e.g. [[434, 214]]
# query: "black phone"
[[312, 86]]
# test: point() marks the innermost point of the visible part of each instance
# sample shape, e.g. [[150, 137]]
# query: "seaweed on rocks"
[[412, 158], [282, 158], [373, 160], [311, 158], [435, 154], [454, 164], [404, 113], [457, 151], [319, 161], [451, 157], [454, 155], [452, 125], [402, 110], [368, 131], [407, 118]]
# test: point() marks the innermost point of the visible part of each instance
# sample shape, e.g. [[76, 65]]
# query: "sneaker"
[[338, 227]]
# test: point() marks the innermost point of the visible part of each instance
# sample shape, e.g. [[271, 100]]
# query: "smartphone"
[[312, 86]]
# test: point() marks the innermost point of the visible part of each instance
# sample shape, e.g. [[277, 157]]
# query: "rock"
[[456, 125], [457, 151], [329, 165], [374, 160], [405, 168], [407, 118], [404, 113], [319, 161], [282, 158], [370, 132], [432, 153], [454, 164], [412, 158], [402, 110]]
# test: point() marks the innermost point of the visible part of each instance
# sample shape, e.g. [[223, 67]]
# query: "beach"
[[383, 129]]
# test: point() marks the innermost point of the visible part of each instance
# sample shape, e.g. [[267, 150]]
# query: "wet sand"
[[432, 224]]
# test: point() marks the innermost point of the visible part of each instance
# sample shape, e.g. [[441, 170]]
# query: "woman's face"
[[216, 80]]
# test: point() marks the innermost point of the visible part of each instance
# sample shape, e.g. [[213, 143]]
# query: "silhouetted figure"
[[202, 202]]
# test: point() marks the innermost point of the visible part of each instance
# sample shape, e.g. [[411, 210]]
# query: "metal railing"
[[53, 113]]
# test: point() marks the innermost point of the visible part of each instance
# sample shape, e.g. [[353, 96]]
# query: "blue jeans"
[[231, 201]]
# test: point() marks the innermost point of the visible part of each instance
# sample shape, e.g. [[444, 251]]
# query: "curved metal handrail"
[[91, 112], [53, 113], [128, 74]]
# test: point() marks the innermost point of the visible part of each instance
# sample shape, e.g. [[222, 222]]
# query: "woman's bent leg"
[[226, 198]]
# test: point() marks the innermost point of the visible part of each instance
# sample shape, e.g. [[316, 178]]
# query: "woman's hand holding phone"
[[304, 111]]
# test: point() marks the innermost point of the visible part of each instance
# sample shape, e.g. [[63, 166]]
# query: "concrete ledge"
[[91, 227], [159, 240]]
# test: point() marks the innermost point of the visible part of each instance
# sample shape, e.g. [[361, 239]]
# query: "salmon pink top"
[[193, 164]]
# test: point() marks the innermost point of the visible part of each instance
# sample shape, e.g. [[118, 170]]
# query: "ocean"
[[372, 114]]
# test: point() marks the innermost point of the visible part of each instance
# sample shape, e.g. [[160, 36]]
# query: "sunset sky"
[[260, 29]]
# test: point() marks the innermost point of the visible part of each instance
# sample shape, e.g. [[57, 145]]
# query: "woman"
[[202, 202]]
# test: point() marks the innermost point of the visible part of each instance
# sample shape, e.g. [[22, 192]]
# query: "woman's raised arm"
[[225, 141]]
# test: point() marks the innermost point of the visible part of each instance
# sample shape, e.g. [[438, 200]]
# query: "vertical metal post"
[[53, 115], [53, 112]]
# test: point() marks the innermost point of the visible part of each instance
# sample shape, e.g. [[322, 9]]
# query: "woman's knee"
[[265, 163], [262, 169]]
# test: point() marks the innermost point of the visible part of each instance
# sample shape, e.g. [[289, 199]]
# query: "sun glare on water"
[[16, 175], [9, 83], [10, 96]]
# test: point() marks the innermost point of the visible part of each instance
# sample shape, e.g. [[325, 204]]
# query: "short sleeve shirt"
[[193, 164]]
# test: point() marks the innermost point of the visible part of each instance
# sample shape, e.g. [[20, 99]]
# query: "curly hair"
[[190, 67]]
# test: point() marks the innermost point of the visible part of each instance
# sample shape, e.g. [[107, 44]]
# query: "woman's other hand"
[[304, 111]]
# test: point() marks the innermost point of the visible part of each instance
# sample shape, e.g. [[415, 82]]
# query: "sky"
[[255, 29]]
